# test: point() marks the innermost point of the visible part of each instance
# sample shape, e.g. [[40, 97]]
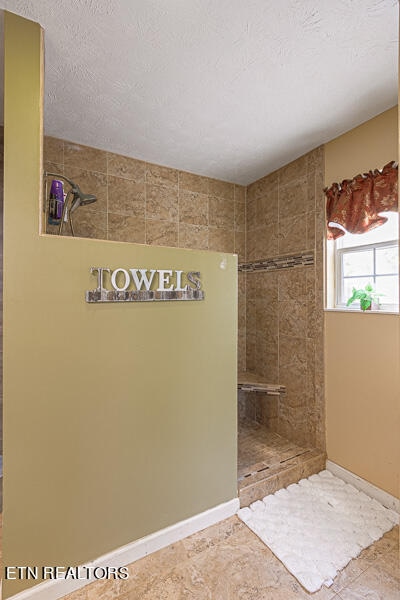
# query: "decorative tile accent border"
[[279, 262]]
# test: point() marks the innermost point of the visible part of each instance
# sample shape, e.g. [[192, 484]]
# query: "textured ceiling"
[[224, 88]]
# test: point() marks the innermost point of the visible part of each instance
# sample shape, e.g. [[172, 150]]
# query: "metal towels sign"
[[145, 285]]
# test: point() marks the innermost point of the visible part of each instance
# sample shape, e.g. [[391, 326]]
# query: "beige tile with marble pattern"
[[161, 233], [159, 175], [162, 202], [84, 157], [222, 189], [221, 240], [89, 223], [221, 212], [293, 198], [126, 228], [126, 196], [126, 167], [53, 150], [193, 208], [193, 236], [193, 183], [292, 234]]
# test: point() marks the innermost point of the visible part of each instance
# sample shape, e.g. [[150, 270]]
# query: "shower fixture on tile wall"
[[60, 207]]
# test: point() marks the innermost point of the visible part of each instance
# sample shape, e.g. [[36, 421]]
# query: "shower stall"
[[277, 229], [281, 436]]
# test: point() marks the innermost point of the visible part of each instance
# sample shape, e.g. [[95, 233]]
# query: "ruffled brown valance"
[[356, 203]]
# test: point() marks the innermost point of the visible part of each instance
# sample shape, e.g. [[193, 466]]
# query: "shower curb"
[[281, 475]]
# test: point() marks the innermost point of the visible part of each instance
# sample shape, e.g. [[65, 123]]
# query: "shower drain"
[[294, 456], [281, 462]]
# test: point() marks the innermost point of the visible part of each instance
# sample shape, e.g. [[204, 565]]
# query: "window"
[[372, 257]]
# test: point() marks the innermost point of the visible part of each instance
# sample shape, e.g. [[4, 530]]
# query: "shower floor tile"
[[268, 461]]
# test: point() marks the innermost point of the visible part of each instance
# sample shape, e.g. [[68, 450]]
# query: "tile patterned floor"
[[228, 562], [257, 445], [268, 462]]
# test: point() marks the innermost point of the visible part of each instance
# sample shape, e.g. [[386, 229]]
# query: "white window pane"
[[387, 260], [389, 286], [355, 282], [358, 263], [385, 233]]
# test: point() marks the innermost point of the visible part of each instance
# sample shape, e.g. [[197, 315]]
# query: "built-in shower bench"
[[251, 382], [268, 461]]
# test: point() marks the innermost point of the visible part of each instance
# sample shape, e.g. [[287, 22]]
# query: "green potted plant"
[[367, 296]]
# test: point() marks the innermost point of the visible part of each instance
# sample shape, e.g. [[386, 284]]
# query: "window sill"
[[358, 311]]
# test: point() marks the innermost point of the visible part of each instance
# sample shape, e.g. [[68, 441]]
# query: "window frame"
[[340, 303]]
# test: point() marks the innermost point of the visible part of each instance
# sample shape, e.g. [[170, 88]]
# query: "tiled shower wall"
[[284, 307], [147, 203], [280, 312]]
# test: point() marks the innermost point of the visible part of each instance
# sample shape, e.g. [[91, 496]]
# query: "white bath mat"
[[315, 527]]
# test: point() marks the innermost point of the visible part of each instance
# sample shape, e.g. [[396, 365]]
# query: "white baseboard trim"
[[56, 589], [365, 486]]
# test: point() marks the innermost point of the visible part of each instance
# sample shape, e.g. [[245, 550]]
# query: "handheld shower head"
[[81, 199], [78, 199]]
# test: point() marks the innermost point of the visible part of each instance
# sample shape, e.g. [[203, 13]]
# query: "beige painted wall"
[[362, 350], [369, 146], [119, 419]]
